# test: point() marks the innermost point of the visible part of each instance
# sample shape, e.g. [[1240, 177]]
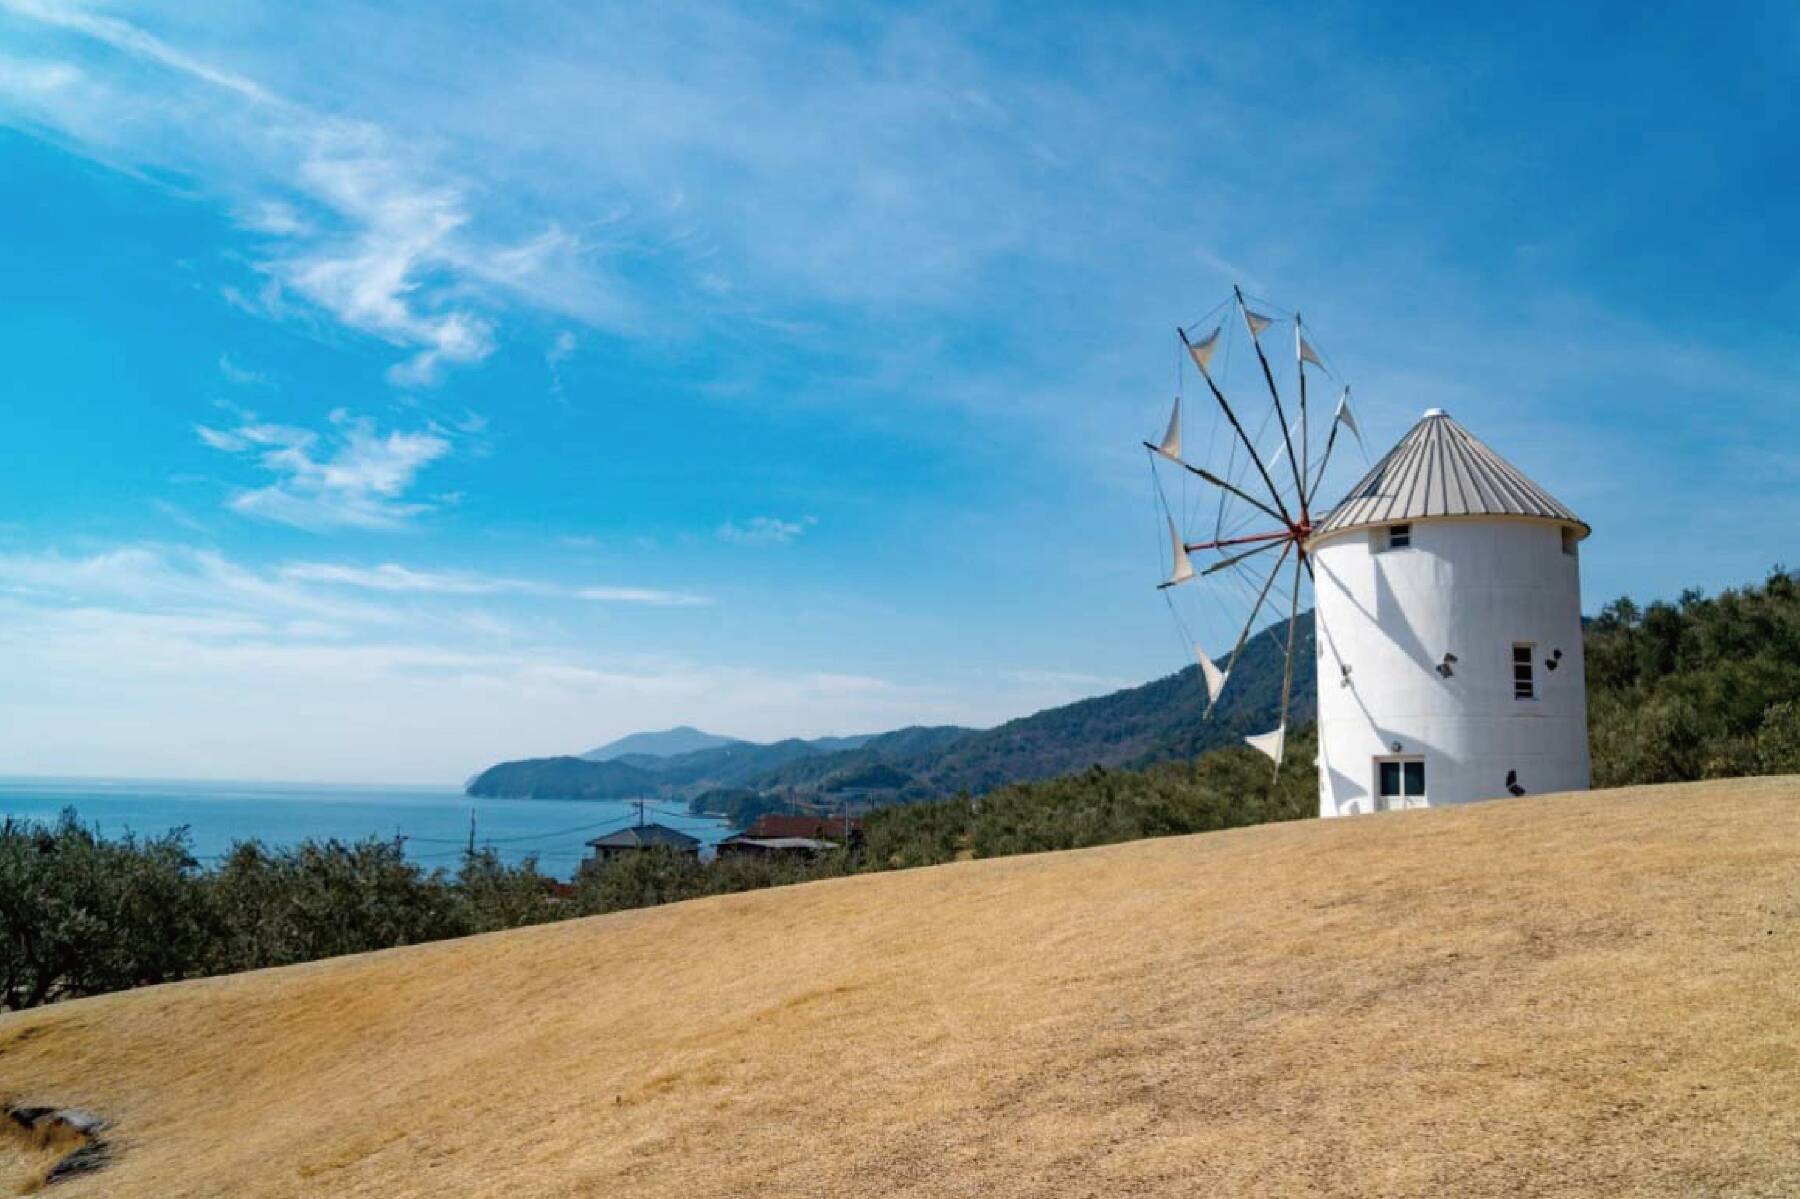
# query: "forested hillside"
[[1161, 721], [1698, 688], [562, 778]]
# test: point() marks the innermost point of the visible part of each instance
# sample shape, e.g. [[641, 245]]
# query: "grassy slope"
[[1562, 995]]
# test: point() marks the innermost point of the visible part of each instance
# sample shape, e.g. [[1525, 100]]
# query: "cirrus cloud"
[[350, 476], [765, 530], [393, 578]]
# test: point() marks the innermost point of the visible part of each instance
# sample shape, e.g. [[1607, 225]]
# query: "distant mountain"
[[679, 740], [562, 778], [905, 749], [1158, 721], [727, 765], [743, 761]]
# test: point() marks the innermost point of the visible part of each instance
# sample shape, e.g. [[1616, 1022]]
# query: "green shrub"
[[641, 879], [320, 899], [81, 915], [1778, 739], [496, 896]]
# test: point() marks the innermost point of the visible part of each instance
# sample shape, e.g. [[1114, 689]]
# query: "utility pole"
[[471, 849], [640, 808]]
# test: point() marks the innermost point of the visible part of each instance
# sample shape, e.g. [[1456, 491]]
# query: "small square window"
[[1524, 684], [1399, 783], [1395, 537]]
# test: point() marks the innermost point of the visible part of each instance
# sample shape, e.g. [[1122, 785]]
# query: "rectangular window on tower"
[[1569, 541], [1393, 537], [1524, 684], [1399, 783]]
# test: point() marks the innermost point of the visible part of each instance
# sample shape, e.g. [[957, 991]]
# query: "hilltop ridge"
[[683, 738]]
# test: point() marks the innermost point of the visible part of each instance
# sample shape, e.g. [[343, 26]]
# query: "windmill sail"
[[1271, 743], [1347, 418], [1171, 442], [1257, 322], [1307, 353], [1202, 351], [1215, 678], [1184, 566]]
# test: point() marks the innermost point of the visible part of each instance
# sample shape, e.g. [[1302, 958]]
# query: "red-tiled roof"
[[819, 828]]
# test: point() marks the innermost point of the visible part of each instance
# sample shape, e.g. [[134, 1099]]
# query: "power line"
[[561, 832]]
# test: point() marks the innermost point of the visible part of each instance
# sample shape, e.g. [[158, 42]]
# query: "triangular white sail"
[[1215, 678], [1269, 743], [1348, 419], [1307, 353], [1257, 322], [1202, 351], [1184, 566], [1171, 442]]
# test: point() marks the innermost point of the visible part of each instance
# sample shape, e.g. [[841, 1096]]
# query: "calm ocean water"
[[434, 820]]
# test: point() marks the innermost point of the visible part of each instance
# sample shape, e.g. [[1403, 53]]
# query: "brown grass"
[[1558, 996], [25, 1160]]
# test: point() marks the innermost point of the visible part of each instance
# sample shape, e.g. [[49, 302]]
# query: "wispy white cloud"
[[175, 579], [165, 660], [180, 516], [374, 275], [560, 351], [350, 476], [240, 375], [354, 224], [394, 578], [641, 595], [168, 579], [765, 530]]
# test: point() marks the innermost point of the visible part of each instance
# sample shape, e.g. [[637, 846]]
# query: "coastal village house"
[[641, 837], [801, 836]]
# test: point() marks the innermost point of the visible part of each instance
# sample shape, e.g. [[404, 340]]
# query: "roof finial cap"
[[1431, 412]]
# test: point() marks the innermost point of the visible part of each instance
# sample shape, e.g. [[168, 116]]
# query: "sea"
[[433, 822]]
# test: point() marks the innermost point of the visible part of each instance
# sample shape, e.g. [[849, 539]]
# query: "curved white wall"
[[1468, 586]]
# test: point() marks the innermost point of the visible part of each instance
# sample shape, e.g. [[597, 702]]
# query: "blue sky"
[[395, 388]]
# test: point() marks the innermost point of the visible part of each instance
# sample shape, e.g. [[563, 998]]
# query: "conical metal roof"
[[1439, 469]]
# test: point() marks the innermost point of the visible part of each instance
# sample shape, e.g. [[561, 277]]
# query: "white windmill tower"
[[1446, 588]]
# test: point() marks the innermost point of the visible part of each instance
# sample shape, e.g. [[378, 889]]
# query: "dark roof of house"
[[644, 836], [818, 828]]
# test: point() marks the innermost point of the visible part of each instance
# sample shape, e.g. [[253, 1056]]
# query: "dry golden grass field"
[[1559, 996]]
